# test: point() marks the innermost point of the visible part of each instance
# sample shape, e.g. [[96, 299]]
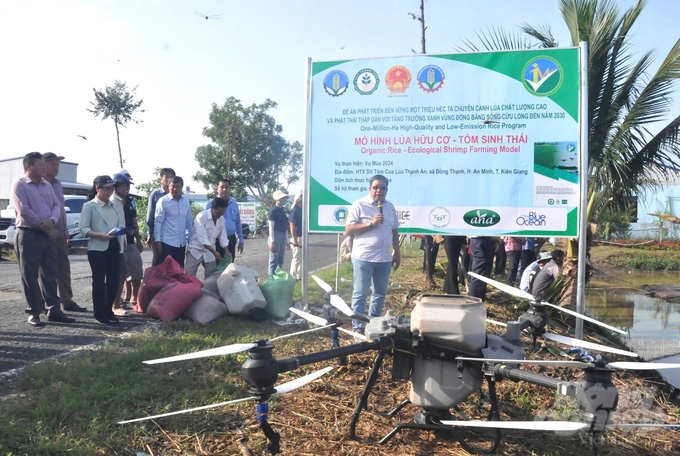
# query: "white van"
[[73, 206]]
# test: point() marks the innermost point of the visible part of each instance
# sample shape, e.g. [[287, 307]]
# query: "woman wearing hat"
[[98, 218], [278, 227]]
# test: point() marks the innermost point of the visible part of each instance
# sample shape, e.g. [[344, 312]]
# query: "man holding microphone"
[[373, 222]]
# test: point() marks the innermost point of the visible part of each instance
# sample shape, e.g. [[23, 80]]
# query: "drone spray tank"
[[457, 322]]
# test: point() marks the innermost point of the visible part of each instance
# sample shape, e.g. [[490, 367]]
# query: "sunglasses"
[[379, 187]]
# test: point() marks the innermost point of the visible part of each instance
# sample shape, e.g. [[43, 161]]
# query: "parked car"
[[73, 206]]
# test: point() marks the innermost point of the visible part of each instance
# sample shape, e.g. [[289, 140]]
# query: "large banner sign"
[[476, 144]]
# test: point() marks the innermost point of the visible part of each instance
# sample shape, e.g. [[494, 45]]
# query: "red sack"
[[155, 278], [176, 297]]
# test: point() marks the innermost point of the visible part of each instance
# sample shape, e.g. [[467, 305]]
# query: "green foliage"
[[117, 103], [625, 158], [614, 223], [248, 148], [142, 203]]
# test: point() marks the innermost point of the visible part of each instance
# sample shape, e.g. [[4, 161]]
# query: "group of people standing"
[[109, 221]]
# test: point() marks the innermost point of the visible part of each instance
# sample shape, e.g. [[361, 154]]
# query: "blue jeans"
[[364, 271], [276, 258]]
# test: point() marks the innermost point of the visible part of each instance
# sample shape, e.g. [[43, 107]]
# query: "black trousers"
[[37, 259], [513, 265], [431, 249], [105, 267], [499, 256], [452, 245], [482, 258], [231, 247], [178, 253]]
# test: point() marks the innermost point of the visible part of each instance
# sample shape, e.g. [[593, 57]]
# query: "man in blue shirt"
[[232, 220], [172, 222], [167, 174]]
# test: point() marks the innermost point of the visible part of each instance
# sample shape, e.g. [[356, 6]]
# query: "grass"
[[71, 406]]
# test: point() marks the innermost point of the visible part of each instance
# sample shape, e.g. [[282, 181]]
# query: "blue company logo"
[[431, 78], [531, 220], [542, 76], [335, 83], [340, 215]]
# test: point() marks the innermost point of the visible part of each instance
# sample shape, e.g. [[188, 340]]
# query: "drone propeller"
[[527, 425], [524, 295], [577, 342], [226, 350], [585, 344], [542, 362], [323, 322], [338, 302], [281, 389], [324, 286]]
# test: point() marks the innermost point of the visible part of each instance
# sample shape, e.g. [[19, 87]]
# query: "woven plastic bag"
[[278, 292]]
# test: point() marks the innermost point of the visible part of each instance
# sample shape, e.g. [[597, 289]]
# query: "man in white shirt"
[[208, 226], [172, 222], [373, 222]]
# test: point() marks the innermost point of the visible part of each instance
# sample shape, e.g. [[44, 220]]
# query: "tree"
[[624, 157], [420, 18], [118, 104], [248, 148]]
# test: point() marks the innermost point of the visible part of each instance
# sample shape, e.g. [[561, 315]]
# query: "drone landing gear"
[[424, 420], [274, 438]]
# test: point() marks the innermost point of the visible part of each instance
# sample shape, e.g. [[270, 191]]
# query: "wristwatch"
[[370, 224]]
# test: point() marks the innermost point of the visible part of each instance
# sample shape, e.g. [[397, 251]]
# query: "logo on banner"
[[366, 81], [340, 215], [431, 78], [335, 83], [439, 217], [531, 220], [398, 79], [542, 76], [481, 218]]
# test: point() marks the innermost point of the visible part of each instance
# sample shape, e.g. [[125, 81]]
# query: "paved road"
[[20, 342]]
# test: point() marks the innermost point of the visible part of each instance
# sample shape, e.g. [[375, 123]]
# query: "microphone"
[[380, 208]]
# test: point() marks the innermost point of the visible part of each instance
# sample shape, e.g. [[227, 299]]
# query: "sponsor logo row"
[[440, 217], [397, 80], [541, 76]]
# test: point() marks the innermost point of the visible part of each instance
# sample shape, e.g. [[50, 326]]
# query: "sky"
[[56, 52]]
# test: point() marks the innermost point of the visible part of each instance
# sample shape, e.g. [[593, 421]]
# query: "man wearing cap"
[[38, 211], [131, 266], [172, 222], [167, 174], [548, 274], [527, 280], [295, 221], [63, 264], [232, 220]]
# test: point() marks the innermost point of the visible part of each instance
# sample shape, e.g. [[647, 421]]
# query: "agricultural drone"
[[445, 352]]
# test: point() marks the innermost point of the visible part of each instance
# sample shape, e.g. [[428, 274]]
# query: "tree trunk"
[[120, 153], [422, 25]]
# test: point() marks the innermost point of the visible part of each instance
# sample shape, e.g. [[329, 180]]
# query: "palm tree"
[[625, 157]]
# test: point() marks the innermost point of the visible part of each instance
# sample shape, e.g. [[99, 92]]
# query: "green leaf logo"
[[481, 218]]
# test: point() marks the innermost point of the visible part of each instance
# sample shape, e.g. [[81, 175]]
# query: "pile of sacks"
[[167, 293]]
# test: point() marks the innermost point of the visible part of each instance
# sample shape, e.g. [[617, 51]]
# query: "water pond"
[[654, 323]]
